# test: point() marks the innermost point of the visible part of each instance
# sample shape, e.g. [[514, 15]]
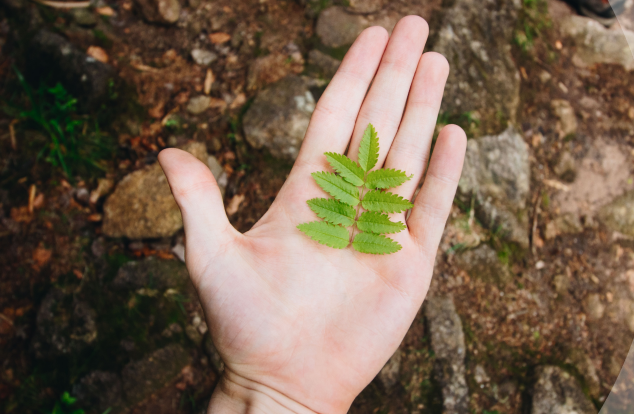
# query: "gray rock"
[[564, 112], [366, 6], [619, 214], [483, 263], [142, 205], [203, 57], [596, 44], [337, 28], [160, 11], [198, 104], [556, 391], [326, 65], [390, 371], [476, 37], [279, 117], [64, 325], [151, 273], [99, 391], [497, 174], [84, 77], [447, 342], [145, 377]]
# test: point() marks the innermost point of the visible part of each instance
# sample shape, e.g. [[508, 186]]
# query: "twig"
[[32, 192], [64, 4], [14, 143]]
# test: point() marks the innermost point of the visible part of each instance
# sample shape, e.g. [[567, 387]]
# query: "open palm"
[[300, 326]]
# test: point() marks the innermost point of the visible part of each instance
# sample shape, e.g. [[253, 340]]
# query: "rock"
[[564, 224], [562, 109], [198, 104], [447, 342], [203, 57], [65, 325], [143, 378], [586, 368], [483, 263], [480, 375], [389, 373], [556, 391], [593, 306], [151, 272], [337, 28], [326, 65], [279, 117], [497, 174], [476, 38], [99, 391], [160, 11], [84, 17], [619, 214], [561, 283], [566, 167], [596, 44], [84, 77], [545, 76], [142, 205], [365, 6]]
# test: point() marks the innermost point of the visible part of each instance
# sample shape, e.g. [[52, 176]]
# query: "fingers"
[[383, 107], [433, 203], [410, 149], [200, 201], [334, 118]]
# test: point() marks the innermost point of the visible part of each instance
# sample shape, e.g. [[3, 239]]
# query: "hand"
[[300, 326]]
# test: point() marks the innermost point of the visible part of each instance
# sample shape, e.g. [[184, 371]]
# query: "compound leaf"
[[348, 169], [375, 244], [378, 223], [332, 211], [337, 187], [369, 149], [385, 201], [386, 178], [326, 233]]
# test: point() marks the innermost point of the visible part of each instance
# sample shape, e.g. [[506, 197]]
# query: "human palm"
[[300, 326]]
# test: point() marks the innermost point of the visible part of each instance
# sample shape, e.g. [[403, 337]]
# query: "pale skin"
[[302, 327]]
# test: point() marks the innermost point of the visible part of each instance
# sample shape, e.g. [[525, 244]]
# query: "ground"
[[76, 308]]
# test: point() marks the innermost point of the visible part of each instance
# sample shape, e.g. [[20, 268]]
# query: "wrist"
[[237, 395]]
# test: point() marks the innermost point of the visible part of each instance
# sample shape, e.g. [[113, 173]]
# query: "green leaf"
[[378, 223], [68, 399], [349, 170], [386, 178], [326, 233], [385, 201], [369, 149], [337, 187], [332, 211], [375, 244]]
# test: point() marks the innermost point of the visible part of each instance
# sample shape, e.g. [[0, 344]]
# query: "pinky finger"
[[433, 203]]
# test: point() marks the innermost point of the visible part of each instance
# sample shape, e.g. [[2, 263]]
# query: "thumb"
[[198, 196]]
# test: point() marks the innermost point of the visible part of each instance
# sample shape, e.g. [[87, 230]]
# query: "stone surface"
[[99, 391], [151, 273], [567, 120], [326, 65], [84, 77], [447, 342], [160, 11], [596, 44], [619, 214], [142, 378], [497, 174], [483, 263], [476, 37], [279, 117], [203, 57], [142, 205], [336, 27], [390, 371], [64, 325], [556, 391], [198, 104]]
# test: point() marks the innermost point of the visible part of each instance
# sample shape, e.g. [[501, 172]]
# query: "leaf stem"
[[361, 194]]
